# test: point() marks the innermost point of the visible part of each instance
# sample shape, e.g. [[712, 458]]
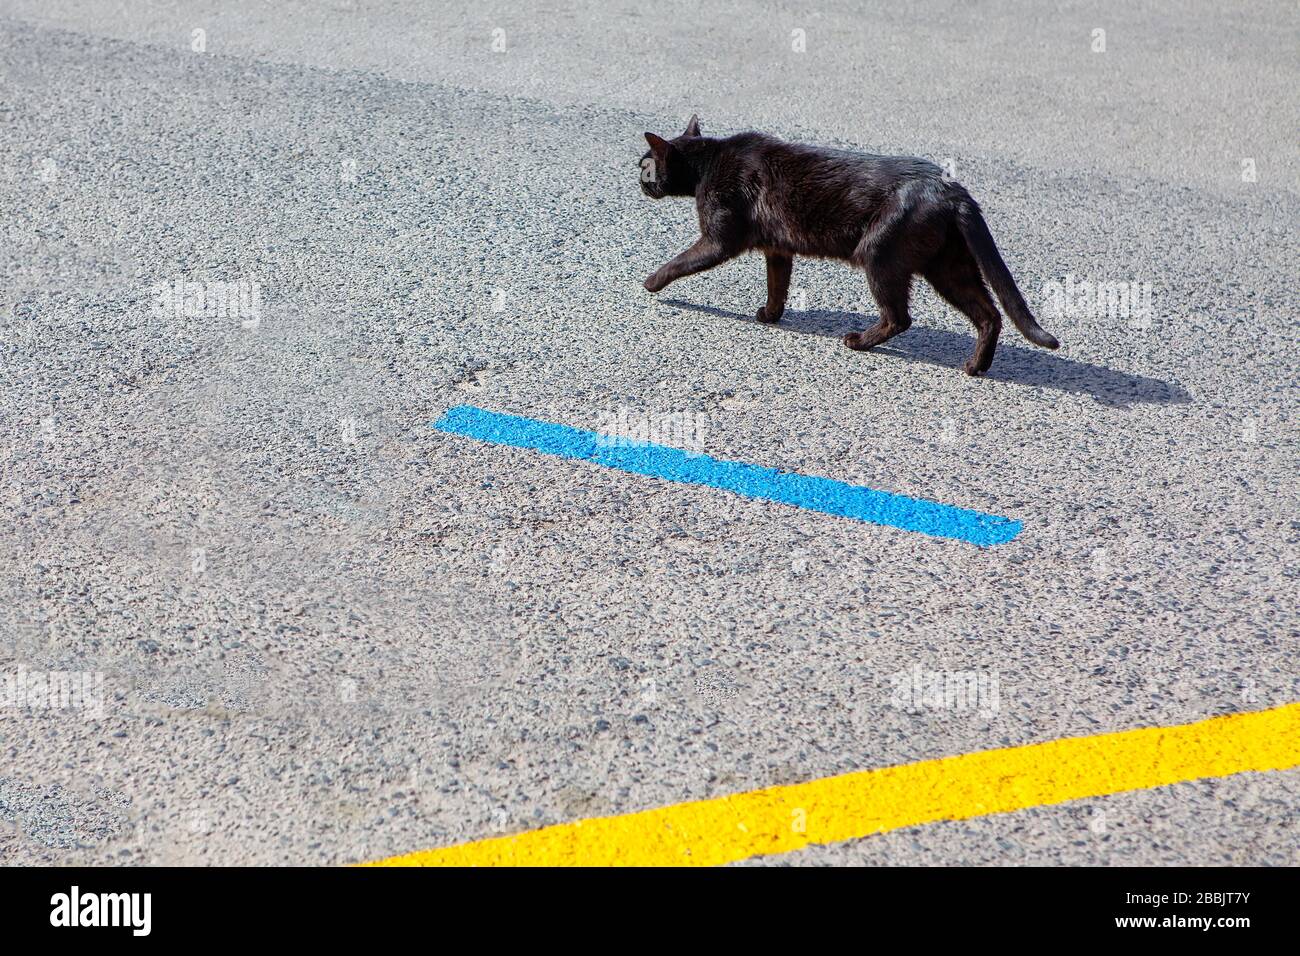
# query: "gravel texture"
[[328, 633]]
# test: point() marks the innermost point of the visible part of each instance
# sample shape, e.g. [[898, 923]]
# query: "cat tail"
[[970, 221]]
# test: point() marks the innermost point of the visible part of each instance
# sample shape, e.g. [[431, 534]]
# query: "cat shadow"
[[1012, 363]]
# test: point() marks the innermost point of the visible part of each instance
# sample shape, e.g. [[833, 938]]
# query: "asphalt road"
[[328, 633]]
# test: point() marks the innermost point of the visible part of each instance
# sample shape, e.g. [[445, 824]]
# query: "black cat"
[[894, 216]]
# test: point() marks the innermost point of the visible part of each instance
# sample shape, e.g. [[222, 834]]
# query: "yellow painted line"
[[853, 805]]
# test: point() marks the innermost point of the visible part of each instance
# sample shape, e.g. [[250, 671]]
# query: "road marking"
[[753, 481], [854, 805]]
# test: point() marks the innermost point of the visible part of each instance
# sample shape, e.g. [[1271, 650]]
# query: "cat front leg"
[[779, 267], [704, 254]]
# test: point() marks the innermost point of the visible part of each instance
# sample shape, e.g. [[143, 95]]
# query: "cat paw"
[[854, 341], [653, 284], [973, 370], [761, 315]]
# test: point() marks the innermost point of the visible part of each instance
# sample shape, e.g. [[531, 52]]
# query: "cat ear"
[[693, 127], [658, 145]]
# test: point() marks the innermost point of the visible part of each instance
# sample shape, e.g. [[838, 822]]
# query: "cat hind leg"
[[956, 277], [892, 290], [883, 256]]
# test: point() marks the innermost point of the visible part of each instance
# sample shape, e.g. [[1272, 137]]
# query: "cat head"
[[664, 169]]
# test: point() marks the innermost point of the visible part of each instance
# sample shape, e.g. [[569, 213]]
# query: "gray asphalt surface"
[[330, 634]]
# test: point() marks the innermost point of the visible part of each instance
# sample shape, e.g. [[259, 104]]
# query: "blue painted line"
[[754, 481]]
